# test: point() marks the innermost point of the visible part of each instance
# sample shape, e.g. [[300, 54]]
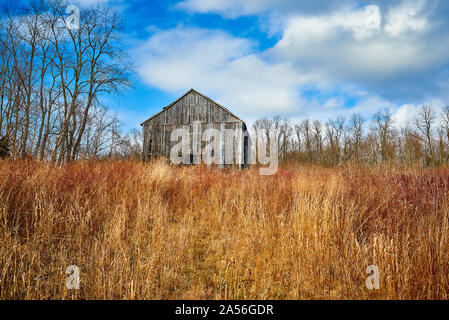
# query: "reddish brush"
[[155, 231]]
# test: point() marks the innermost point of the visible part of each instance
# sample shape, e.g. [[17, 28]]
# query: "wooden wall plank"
[[190, 108]]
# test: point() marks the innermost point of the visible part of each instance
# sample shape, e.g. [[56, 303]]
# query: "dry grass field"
[[154, 231]]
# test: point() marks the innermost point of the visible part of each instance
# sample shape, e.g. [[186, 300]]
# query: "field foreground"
[[153, 231]]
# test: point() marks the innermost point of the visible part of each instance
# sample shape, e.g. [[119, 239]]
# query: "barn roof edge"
[[199, 93]]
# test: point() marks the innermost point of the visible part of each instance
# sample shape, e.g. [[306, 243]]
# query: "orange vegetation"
[[155, 231]]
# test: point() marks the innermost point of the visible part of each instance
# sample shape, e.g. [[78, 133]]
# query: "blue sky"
[[294, 58]]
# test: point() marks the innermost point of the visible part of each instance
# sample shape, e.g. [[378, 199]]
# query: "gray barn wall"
[[182, 114]]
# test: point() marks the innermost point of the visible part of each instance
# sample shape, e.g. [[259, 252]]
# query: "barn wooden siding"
[[189, 108]]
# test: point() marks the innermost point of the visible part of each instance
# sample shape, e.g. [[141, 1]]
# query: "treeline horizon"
[[423, 141], [54, 79]]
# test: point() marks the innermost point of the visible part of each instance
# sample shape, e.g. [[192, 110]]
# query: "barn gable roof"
[[185, 94]]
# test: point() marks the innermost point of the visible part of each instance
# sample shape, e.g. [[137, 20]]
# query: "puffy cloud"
[[227, 69], [385, 55], [366, 106], [381, 55], [384, 46], [404, 115], [303, 30], [406, 18], [220, 65]]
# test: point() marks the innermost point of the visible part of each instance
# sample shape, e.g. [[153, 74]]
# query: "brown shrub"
[[154, 231]]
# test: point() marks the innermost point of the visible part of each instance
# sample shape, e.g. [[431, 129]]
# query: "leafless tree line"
[[424, 141], [53, 78]]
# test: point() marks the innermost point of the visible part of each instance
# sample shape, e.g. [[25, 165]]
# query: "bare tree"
[[318, 140], [262, 129], [424, 122], [305, 128], [356, 134], [53, 76], [445, 132], [334, 131], [298, 144], [383, 127], [284, 134]]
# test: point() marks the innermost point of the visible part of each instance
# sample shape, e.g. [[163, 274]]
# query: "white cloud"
[[362, 24], [408, 17], [344, 42], [366, 53], [404, 115], [354, 46], [333, 108], [226, 68], [219, 65]]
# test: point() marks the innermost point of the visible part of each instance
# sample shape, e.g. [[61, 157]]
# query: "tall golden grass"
[[154, 231]]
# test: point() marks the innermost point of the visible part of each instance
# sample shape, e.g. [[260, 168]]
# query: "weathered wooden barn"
[[194, 107]]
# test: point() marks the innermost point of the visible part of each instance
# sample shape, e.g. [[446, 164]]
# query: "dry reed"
[[154, 231]]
